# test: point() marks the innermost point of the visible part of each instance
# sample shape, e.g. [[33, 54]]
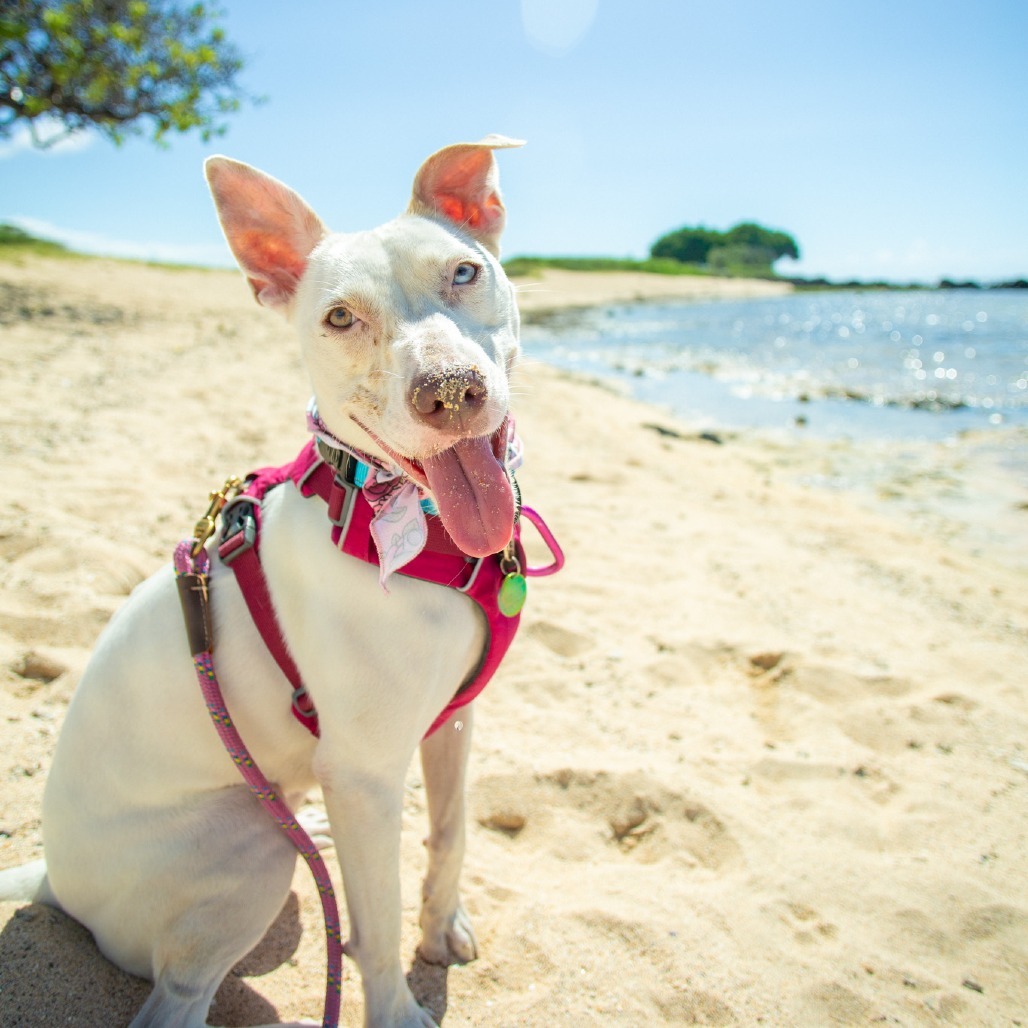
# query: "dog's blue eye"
[[340, 317], [464, 274]]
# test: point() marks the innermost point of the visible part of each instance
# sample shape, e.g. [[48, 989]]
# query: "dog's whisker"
[[533, 363]]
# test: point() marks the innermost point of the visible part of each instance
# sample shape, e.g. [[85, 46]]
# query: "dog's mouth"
[[471, 487]]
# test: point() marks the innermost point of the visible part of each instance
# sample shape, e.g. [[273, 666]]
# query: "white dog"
[[152, 841]]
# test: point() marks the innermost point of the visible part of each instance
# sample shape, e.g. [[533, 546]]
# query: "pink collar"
[[399, 527]]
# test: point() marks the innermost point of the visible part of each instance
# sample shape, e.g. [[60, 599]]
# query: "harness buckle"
[[239, 533], [302, 702]]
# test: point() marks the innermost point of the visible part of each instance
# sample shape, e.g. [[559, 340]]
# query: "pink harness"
[[319, 470]]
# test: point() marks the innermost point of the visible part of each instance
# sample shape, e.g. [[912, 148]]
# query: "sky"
[[890, 137]]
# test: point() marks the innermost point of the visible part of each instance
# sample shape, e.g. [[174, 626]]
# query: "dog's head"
[[409, 330]]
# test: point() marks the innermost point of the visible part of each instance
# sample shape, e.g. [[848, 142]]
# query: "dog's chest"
[[419, 640]]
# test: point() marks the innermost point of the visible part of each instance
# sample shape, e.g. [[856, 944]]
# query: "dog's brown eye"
[[465, 273], [340, 317]]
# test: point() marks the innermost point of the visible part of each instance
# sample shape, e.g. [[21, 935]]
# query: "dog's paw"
[[305, 1023], [419, 1017], [293, 1024], [403, 1012], [450, 941], [315, 823]]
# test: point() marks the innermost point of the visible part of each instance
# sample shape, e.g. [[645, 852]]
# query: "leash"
[[505, 583], [192, 567]]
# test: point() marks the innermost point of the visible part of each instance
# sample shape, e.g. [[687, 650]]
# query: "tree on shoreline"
[[122, 67], [746, 248]]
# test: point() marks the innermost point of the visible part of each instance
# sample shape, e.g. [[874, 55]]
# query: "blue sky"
[[890, 138]]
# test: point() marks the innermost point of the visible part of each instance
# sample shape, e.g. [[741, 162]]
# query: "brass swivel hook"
[[205, 526]]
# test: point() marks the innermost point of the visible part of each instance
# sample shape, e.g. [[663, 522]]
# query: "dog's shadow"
[[428, 982], [51, 972]]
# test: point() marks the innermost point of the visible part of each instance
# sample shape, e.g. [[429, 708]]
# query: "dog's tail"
[[27, 884]]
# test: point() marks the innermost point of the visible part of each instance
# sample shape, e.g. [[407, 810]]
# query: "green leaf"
[[124, 66]]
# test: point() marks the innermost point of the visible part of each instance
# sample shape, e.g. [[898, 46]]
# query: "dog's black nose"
[[451, 396]]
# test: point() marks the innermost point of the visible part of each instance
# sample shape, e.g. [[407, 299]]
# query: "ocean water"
[[919, 364]]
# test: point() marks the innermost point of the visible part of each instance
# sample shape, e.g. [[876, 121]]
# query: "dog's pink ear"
[[461, 184], [269, 228]]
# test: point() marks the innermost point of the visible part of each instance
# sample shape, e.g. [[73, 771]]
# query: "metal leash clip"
[[205, 526]]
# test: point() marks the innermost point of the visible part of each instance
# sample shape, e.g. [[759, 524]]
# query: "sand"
[[554, 289], [759, 756]]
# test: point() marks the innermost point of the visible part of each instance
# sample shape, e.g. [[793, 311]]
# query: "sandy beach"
[[555, 289], [759, 755]]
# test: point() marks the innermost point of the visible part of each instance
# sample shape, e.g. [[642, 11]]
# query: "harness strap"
[[239, 548]]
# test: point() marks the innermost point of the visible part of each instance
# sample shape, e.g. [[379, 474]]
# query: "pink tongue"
[[474, 496]]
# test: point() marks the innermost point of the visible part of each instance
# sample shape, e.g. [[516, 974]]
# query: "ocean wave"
[[928, 352]]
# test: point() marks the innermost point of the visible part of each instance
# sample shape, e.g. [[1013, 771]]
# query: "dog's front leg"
[[446, 934], [364, 807]]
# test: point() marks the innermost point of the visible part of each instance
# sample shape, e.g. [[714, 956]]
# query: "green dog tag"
[[512, 595]]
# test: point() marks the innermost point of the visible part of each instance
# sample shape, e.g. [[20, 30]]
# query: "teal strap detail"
[[360, 476]]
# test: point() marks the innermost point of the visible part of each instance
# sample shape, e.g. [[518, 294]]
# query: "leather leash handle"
[[196, 611]]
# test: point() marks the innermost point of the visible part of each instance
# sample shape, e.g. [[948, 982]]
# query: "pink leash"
[[191, 572], [192, 568]]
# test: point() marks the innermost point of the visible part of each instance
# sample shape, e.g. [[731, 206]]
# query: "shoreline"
[[766, 742], [556, 290]]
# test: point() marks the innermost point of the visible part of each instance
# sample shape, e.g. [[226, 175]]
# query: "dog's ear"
[[461, 183], [269, 228]]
